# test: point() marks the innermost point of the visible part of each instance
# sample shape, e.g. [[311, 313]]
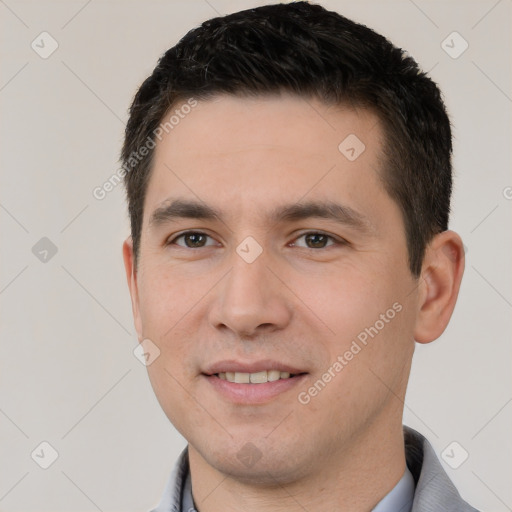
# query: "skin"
[[297, 304]]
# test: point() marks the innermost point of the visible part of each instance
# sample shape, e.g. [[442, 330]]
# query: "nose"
[[251, 300]]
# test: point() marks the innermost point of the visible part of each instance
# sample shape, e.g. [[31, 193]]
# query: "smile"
[[253, 388], [254, 378]]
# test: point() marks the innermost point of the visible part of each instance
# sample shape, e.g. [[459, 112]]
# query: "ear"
[[441, 275], [131, 277]]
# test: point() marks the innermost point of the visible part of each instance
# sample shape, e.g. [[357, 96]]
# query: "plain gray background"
[[67, 369]]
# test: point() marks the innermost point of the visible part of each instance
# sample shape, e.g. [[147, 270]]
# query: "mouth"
[[256, 377], [259, 383]]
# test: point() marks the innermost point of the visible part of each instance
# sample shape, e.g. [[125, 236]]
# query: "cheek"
[[368, 367], [168, 384], [164, 308], [344, 300], [173, 375], [367, 317], [165, 297]]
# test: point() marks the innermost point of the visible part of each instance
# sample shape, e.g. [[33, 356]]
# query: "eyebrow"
[[191, 209], [184, 209]]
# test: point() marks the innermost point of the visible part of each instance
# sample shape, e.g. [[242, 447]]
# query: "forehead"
[[286, 121], [236, 152]]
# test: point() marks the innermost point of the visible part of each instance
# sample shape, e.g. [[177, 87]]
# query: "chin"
[[259, 462]]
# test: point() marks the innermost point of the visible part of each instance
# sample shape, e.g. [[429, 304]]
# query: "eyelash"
[[330, 238]]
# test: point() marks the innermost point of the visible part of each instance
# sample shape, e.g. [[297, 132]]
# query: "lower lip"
[[253, 393]]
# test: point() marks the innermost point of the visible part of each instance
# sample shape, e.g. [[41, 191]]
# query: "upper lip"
[[250, 367]]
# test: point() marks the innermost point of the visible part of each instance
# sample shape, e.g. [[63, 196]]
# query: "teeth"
[[242, 378], [253, 378], [258, 378], [273, 375]]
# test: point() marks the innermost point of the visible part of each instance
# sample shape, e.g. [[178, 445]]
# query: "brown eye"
[[314, 240], [192, 240]]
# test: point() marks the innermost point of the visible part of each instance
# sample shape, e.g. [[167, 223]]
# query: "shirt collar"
[[399, 499], [187, 503], [434, 490]]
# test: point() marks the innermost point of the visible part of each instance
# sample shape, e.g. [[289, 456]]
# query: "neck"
[[353, 479]]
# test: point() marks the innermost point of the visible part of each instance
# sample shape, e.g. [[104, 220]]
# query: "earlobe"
[[441, 276], [131, 278]]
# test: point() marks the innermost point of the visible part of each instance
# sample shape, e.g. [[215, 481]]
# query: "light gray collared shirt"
[[399, 499], [424, 487]]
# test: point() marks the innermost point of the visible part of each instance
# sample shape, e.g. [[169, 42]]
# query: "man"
[[288, 175]]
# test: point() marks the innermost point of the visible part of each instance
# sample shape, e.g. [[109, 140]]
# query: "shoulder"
[[434, 489], [171, 498]]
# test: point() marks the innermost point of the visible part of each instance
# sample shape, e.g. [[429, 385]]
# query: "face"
[[268, 249]]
